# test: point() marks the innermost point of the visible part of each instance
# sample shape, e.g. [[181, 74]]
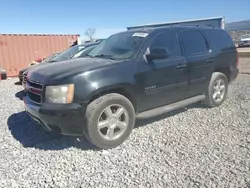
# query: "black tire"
[[94, 110], [210, 101]]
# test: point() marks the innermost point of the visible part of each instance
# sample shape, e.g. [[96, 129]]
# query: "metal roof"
[[176, 22], [5, 34]]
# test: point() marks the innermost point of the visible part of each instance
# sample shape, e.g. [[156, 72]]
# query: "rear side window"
[[194, 42], [169, 41], [219, 39]]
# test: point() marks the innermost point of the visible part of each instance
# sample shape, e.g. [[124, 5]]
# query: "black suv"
[[133, 74]]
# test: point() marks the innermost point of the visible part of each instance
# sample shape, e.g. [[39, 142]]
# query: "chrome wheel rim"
[[219, 89], [113, 122]]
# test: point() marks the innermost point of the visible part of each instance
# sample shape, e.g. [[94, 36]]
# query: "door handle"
[[181, 66], [210, 60]]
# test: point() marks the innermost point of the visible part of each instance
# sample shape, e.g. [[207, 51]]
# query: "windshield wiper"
[[52, 61], [105, 56], [89, 56]]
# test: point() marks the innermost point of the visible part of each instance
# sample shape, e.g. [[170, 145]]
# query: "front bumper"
[[66, 119]]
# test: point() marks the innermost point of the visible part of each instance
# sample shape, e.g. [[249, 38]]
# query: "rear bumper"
[[66, 119], [244, 44], [234, 74], [3, 75], [20, 74], [20, 78]]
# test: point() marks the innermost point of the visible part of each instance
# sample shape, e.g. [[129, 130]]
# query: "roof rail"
[[180, 24], [175, 25], [210, 25], [189, 25]]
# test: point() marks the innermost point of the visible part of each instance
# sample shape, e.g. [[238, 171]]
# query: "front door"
[[164, 80]]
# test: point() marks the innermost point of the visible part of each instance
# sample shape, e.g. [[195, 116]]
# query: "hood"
[[53, 72]]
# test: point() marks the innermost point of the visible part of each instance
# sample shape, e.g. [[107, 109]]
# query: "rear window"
[[194, 42], [219, 39]]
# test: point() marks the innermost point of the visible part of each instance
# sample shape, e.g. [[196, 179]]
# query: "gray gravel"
[[244, 65], [191, 147]]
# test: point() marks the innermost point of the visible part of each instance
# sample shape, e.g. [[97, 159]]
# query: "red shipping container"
[[17, 51]]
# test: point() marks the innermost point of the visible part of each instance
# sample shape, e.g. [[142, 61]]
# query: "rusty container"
[[17, 51]]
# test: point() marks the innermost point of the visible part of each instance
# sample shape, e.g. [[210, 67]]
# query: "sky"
[[108, 16]]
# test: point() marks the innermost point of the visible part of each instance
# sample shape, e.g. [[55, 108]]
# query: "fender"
[[118, 78]]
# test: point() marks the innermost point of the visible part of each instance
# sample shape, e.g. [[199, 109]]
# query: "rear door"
[[164, 80], [199, 60]]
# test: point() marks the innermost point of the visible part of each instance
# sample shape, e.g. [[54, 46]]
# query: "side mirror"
[[156, 53]]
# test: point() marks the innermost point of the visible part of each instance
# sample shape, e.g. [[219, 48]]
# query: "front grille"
[[34, 91], [35, 85]]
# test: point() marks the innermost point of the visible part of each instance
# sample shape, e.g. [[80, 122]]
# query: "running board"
[[170, 107]]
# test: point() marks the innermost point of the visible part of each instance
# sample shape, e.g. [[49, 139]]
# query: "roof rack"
[[189, 25], [210, 25], [144, 27]]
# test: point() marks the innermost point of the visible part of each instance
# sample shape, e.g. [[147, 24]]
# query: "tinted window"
[[194, 42], [219, 39], [169, 41]]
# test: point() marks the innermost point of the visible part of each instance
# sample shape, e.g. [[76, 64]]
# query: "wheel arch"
[[126, 90], [225, 71]]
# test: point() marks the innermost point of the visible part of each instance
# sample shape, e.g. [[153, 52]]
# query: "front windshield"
[[245, 36], [120, 46], [84, 52], [67, 54]]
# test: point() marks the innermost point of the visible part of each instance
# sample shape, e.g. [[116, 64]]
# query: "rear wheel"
[[217, 90], [110, 120]]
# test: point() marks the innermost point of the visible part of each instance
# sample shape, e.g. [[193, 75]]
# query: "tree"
[[90, 32]]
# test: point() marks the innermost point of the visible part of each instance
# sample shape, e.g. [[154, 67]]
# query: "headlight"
[[59, 94]]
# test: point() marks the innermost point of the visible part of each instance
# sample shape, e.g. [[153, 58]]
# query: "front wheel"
[[110, 120], [217, 90]]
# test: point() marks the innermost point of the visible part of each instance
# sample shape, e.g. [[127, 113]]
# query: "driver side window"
[[169, 41]]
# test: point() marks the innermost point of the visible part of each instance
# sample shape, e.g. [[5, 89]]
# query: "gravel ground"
[[244, 65], [191, 147]]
